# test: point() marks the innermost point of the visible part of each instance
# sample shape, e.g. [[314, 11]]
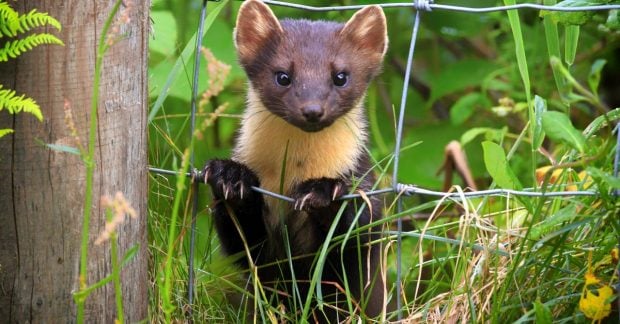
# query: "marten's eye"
[[340, 79], [282, 79]]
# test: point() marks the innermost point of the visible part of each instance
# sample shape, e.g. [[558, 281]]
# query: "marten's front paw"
[[317, 194], [229, 180]]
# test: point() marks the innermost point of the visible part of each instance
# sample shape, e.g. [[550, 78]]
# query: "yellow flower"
[[595, 302], [570, 180]]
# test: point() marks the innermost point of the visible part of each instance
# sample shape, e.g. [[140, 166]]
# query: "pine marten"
[[303, 134]]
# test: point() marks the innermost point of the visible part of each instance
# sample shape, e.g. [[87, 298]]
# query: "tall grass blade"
[[571, 33], [553, 48]]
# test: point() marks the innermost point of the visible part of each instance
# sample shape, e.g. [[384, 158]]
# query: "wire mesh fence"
[[401, 189]]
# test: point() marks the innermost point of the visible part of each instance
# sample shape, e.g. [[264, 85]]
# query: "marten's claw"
[[241, 189], [226, 190], [316, 194], [229, 180], [338, 191], [300, 203]]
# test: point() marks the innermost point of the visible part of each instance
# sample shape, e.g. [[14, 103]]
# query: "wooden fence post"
[[42, 190]]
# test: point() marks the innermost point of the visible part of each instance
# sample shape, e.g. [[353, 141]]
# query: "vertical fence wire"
[[195, 187], [617, 158], [418, 5], [399, 132]]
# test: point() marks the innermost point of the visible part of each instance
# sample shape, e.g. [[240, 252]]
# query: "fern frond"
[[5, 131], [9, 20], [35, 19], [14, 48], [16, 104]]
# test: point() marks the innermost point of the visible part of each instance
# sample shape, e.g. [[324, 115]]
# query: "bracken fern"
[[16, 104], [36, 19], [16, 47], [9, 20], [13, 25]]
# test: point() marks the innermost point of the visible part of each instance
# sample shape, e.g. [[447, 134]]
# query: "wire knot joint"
[[423, 5], [405, 189], [196, 175]]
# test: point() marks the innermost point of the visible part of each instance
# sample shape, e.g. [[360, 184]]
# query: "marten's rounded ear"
[[367, 29], [256, 26]]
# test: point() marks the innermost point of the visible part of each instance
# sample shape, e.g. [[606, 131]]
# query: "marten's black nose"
[[312, 112]]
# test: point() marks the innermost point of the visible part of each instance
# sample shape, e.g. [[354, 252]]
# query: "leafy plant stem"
[[89, 160], [553, 47], [116, 274], [592, 99], [515, 25], [167, 280]]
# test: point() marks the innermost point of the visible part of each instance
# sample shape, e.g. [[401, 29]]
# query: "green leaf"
[[458, 77], [16, 104], [594, 78], [559, 127], [9, 20], [515, 25], [553, 47], [63, 148], [574, 17], [35, 19], [601, 121], [453, 24], [129, 254], [83, 293], [490, 134], [540, 107], [613, 182], [430, 141], [5, 131], [565, 214], [575, 98], [465, 106], [571, 41], [498, 167], [14, 48], [613, 20], [543, 313], [164, 39]]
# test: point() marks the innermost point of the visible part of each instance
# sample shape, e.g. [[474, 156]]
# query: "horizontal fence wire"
[[397, 188], [429, 6], [410, 189]]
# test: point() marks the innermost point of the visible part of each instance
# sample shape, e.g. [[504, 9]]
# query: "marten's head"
[[309, 73]]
